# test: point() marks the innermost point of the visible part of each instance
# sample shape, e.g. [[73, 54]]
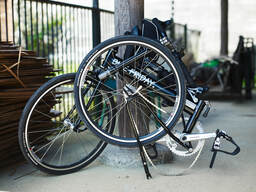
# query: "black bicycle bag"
[[149, 29]]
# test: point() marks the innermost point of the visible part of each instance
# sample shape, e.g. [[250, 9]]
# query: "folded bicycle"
[[129, 82]]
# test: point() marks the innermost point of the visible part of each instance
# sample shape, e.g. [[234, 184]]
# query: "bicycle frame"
[[192, 108], [193, 105]]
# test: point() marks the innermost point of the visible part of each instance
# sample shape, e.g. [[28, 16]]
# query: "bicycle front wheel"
[[137, 72], [51, 135]]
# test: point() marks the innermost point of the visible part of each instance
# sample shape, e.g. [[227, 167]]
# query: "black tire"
[[93, 64], [51, 135]]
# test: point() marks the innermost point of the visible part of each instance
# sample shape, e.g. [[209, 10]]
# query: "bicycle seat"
[[165, 24]]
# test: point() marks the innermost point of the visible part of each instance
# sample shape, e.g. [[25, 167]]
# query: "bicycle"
[[217, 74], [146, 70], [51, 135]]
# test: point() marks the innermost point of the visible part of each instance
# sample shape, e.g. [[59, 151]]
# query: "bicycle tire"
[[69, 149], [91, 64]]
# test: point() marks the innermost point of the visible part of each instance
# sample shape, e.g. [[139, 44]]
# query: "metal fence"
[[63, 32], [187, 38]]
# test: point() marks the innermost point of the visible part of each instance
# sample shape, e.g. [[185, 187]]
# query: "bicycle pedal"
[[216, 145]]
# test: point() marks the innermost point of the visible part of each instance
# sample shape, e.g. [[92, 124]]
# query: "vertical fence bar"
[[6, 19], [96, 23], [78, 36], [62, 41], [57, 35], [52, 33], [77, 39], [42, 13], [89, 42], [83, 31], [185, 36], [19, 22], [66, 38], [47, 18], [26, 31], [70, 39], [87, 28], [37, 31], [13, 26], [74, 36], [31, 26]]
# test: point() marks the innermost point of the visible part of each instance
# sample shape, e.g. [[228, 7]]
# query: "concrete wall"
[[204, 15]]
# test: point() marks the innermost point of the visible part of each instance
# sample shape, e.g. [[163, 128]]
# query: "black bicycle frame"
[[193, 109]]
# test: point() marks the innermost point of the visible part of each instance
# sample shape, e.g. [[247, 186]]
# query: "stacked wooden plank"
[[21, 73]]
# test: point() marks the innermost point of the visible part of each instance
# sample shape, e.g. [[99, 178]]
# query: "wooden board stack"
[[21, 73]]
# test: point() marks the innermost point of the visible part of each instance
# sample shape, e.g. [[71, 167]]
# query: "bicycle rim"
[[150, 65], [52, 135]]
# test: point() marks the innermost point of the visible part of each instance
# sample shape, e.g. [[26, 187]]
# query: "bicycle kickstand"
[[142, 155], [216, 145]]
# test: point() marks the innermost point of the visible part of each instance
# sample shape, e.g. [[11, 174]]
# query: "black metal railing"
[[187, 38], [63, 32]]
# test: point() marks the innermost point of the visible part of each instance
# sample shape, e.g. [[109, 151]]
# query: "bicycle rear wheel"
[[51, 135], [153, 78]]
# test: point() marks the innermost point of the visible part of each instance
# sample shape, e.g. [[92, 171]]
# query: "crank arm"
[[186, 137]]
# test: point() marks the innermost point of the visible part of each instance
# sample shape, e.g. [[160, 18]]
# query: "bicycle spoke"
[[151, 61]]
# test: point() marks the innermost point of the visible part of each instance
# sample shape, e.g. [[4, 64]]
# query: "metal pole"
[[96, 23], [185, 36], [224, 28], [6, 19]]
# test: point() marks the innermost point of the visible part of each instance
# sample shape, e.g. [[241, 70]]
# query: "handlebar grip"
[[159, 26]]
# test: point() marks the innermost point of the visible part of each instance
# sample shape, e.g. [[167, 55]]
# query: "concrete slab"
[[236, 174]]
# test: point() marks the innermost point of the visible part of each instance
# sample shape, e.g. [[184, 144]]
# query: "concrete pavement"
[[236, 174]]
